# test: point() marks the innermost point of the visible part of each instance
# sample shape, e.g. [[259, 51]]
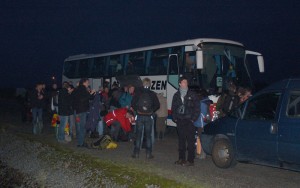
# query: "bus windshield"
[[223, 63]]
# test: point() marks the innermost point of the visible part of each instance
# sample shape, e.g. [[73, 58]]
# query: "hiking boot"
[[135, 155], [180, 162], [149, 156]]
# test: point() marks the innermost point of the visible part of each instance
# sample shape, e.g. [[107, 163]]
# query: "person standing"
[[185, 111], [37, 104], [81, 107], [145, 103], [64, 109]]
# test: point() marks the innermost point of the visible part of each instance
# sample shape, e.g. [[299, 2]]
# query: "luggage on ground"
[[102, 143]]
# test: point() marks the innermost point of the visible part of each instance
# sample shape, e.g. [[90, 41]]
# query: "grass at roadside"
[[85, 163]]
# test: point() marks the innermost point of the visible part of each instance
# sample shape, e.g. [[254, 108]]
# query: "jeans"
[[37, 120], [72, 125], [114, 130], [144, 123], [61, 129], [80, 127]]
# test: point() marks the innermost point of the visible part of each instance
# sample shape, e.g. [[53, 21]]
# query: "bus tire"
[[223, 154]]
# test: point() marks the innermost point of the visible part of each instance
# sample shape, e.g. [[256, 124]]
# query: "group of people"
[[132, 113], [127, 113]]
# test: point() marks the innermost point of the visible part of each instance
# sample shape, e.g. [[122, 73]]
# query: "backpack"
[[145, 103], [230, 102], [102, 143], [203, 118]]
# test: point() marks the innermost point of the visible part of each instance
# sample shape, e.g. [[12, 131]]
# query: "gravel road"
[[21, 155]]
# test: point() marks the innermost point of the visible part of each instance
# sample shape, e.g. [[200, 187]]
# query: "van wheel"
[[222, 153]]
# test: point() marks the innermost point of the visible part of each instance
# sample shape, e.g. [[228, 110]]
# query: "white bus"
[[208, 63]]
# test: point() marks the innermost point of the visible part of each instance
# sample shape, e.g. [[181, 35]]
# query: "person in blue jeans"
[[37, 104], [81, 106], [65, 110], [145, 103]]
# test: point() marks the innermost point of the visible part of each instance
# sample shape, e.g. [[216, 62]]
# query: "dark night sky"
[[37, 35]]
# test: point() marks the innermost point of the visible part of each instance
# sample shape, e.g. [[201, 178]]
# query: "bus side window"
[[158, 62], [70, 69], [99, 68], [130, 68], [136, 64], [114, 65], [190, 61], [84, 67]]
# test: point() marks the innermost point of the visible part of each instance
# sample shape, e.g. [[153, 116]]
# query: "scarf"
[[183, 93]]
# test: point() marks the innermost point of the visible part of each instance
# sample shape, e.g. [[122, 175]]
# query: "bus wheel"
[[222, 153]]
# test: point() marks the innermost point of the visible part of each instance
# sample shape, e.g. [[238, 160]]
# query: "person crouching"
[[119, 118]]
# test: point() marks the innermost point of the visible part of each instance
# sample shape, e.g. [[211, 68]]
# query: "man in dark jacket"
[[65, 109], [185, 111], [145, 103], [81, 107]]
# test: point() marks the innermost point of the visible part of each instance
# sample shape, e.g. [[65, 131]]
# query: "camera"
[[181, 109]]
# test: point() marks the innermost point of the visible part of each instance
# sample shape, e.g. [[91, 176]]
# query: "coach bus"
[[207, 63]]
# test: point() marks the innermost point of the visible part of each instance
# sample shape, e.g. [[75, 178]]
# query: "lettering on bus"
[[158, 85]]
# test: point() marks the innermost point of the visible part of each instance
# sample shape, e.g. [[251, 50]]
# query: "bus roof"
[[180, 43]]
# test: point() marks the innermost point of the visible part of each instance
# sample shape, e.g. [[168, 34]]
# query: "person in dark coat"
[[185, 111], [144, 119], [81, 107], [37, 103], [94, 113], [65, 109]]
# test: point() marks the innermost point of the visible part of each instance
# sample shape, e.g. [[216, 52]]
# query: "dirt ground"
[[204, 173]]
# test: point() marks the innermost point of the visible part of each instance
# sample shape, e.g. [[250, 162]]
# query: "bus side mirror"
[[260, 60], [199, 59], [261, 64]]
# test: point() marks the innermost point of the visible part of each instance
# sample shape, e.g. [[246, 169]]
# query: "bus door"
[[172, 83]]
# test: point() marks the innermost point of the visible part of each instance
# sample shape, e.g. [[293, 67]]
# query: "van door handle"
[[274, 128]]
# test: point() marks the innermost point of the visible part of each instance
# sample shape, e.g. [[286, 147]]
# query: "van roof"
[[283, 84]]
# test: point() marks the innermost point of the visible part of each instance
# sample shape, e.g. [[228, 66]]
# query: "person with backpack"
[[145, 103], [93, 118], [185, 111]]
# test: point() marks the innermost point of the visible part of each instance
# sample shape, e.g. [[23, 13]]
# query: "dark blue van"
[[264, 130]]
